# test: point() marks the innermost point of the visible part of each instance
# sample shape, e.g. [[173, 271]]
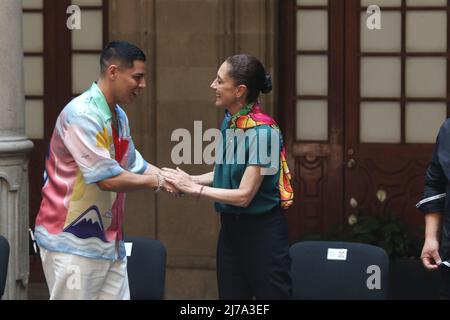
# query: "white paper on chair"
[[128, 248], [337, 254]]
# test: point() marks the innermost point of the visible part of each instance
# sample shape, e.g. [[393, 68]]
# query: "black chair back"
[[339, 270], [4, 258], [146, 268]]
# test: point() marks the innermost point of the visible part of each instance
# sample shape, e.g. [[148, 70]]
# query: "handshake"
[[177, 182]]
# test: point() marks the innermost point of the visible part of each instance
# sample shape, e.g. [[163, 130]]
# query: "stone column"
[[14, 148]]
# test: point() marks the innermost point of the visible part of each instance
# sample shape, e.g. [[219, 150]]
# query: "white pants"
[[72, 277]]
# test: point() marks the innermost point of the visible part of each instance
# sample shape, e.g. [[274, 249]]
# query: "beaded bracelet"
[[160, 183]]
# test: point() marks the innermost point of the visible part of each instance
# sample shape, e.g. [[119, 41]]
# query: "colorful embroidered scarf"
[[251, 116]]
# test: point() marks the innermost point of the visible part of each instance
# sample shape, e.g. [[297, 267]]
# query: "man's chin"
[[128, 101]]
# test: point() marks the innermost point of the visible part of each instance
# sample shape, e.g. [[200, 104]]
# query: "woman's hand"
[[170, 188], [181, 180]]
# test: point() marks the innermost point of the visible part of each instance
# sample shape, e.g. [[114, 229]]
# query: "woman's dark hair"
[[123, 52], [249, 71]]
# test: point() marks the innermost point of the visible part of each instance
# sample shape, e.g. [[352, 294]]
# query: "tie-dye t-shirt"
[[76, 216]]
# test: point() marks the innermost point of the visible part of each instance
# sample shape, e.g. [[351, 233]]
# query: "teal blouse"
[[228, 174]]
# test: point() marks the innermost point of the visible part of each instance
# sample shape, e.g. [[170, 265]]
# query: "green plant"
[[387, 231], [384, 229]]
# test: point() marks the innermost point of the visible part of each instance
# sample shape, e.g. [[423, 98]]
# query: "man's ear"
[[241, 91], [112, 71]]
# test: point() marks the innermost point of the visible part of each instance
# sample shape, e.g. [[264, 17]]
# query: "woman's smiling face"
[[224, 87]]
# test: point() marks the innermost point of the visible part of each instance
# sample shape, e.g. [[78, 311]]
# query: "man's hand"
[[430, 255], [170, 188], [180, 179]]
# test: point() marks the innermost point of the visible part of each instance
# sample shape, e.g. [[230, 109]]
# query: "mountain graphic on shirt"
[[88, 225]]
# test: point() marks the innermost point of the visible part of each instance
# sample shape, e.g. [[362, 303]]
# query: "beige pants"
[[72, 277]]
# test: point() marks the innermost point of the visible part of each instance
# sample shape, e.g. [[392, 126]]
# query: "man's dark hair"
[[249, 71], [123, 52]]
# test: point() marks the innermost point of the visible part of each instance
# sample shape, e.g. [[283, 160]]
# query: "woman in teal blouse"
[[249, 192]]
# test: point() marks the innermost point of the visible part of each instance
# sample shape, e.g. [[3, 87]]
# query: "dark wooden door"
[[59, 63], [360, 107], [68, 63], [42, 22], [311, 84], [396, 98]]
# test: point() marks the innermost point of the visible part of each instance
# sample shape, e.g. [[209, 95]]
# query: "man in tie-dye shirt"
[[91, 162]]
